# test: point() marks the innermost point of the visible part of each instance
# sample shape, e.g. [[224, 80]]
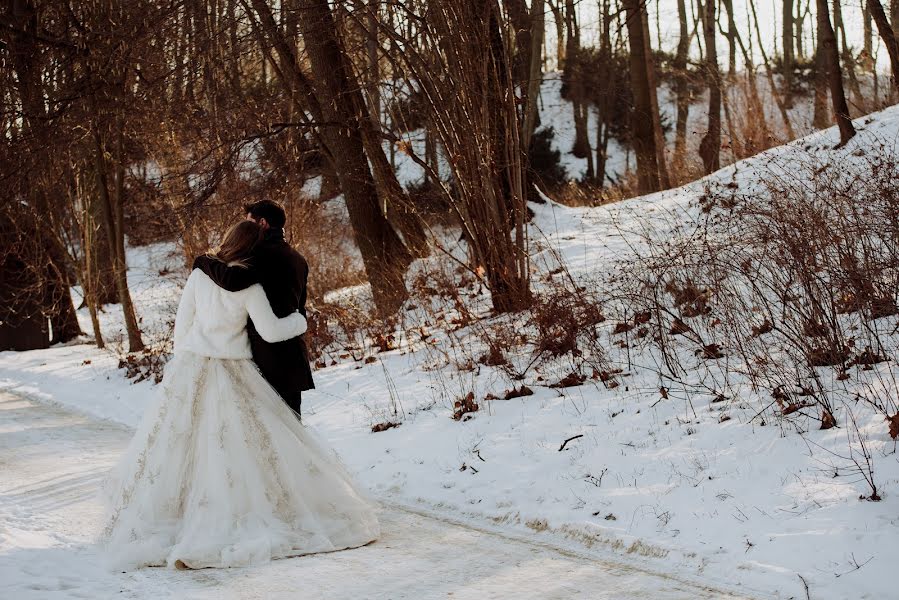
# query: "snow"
[[51, 513], [665, 484]]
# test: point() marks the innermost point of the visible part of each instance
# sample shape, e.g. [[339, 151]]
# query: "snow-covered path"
[[53, 460]]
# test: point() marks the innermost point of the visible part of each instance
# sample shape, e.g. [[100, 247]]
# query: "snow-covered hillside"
[[558, 113], [683, 481]]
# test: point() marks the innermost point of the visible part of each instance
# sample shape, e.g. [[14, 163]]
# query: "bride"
[[220, 472]]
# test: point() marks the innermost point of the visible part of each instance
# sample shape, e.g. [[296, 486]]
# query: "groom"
[[282, 271]]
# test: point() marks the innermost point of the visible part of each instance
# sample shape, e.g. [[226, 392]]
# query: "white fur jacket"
[[213, 322]]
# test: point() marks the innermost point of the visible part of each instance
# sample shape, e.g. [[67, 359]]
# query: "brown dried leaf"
[[383, 426], [794, 406], [519, 392], [894, 425], [464, 406], [570, 380]]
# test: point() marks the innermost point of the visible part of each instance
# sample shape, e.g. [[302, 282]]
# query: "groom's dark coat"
[[282, 271]]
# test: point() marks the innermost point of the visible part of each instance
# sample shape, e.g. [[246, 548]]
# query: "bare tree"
[[573, 79], [802, 12], [659, 136], [643, 131], [787, 29], [559, 20], [111, 84], [681, 87], [831, 60], [820, 114], [731, 35], [710, 146], [37, 187], [607, 92], [845, 53], [867, 31], [111, 200], [385, 256], [470, 99], [887, 34], [534, 76]]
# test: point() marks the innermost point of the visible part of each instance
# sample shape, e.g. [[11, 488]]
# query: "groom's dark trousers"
[[283, 272]]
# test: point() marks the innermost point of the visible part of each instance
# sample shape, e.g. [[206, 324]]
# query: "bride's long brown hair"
[[238, 243]]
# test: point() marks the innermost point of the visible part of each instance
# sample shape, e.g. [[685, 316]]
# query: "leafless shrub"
[[323, 237], [148, 364], [565, 317], [345, 330], [791, 278]]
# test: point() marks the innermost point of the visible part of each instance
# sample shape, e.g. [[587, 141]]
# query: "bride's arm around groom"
[[200, 289]]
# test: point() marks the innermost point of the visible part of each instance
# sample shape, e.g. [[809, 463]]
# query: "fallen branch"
[[565, 443]]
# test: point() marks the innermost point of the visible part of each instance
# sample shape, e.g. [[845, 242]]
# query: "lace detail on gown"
[[220, 473]]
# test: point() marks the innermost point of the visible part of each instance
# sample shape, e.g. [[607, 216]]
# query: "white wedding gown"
[[220, 472]]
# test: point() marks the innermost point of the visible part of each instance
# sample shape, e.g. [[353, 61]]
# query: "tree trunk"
[[831, 58], [799, 23], [394, 202], [642, 129], [788, 60], [58, 299], [330, 187], [681, 89], [894, 25], [116, 239], [89, 273], [383, 253], [735, 142], [731, 39], [431, 153], [867, 32], [820, 116], [559, 21], [508, 275], [573, 77], [23, 324], [535, 72], [847, 58], [105, 291], [397, 206], [374, 72], [521, 20], [887, 34], [473, 105], [710, 146], [654, 105], [606, 95]]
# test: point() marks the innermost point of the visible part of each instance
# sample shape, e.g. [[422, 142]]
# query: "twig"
[[805, 583], [855, 564], [565, 443]]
